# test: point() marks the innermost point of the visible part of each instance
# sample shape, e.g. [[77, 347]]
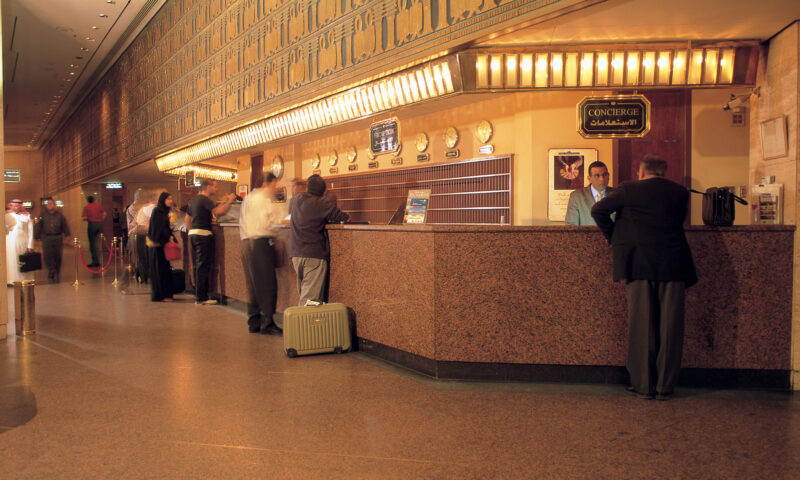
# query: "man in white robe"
[[19, 239]]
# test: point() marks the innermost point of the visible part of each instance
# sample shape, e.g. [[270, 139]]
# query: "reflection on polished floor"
[[114, 386]]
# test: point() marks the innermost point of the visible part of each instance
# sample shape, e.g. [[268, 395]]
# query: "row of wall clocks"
[[483, 132]]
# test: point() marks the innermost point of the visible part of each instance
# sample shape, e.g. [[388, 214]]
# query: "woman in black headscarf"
[[158, 234]]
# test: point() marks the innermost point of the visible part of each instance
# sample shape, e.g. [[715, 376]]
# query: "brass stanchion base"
[[115, 250]]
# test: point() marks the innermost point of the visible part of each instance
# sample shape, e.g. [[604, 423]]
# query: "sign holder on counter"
[[417, 206]]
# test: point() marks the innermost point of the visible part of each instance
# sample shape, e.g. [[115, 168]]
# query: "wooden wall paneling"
[[476, 191], [189, 42]]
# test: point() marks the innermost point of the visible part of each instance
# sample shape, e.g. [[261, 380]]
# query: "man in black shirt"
[[52, 228], [310, 250], [199, 217]]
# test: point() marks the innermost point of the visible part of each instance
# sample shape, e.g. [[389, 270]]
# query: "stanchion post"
[[115, 242], [77, 244], [102, 260]]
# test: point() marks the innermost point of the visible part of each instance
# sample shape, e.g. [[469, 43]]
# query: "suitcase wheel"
[[337, 350], [291, 353]]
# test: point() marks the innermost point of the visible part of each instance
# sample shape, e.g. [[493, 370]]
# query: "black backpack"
[[718, 206]]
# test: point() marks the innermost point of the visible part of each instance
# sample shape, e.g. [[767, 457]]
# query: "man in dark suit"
[[651, 254], [582, 200]]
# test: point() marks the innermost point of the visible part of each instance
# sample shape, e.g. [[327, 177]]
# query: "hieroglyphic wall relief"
[[203, 66]]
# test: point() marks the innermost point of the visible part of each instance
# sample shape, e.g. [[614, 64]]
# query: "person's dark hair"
[[316, 185], [90, 199], [654, 165], [269, 178], [47, 199], [206, 183], [162, 201], [595, 164]]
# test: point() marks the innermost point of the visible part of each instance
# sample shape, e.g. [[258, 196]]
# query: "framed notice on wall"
[[417, 206], [774, 143], [567, 174]]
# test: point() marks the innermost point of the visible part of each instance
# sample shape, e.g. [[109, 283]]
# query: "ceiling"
[[50, 64], [659, 21], [54, 53]]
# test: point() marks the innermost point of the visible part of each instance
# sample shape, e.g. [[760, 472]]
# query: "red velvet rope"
[[80, 252]]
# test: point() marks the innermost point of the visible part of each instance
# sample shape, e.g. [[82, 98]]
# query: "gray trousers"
[[311, 276], [655, 334]]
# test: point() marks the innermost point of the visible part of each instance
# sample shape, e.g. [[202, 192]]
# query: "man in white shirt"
[[257, 221]]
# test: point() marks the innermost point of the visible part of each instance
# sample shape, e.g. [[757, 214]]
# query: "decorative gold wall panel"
[[201, 67]]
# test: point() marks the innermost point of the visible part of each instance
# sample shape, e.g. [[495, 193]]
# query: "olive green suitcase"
[[316, 329]]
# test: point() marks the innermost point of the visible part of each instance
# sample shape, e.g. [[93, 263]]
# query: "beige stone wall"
[[780, 95]]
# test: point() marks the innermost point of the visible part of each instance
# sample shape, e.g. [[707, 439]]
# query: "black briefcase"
[[30, 261], [177, 280], [718, 206]]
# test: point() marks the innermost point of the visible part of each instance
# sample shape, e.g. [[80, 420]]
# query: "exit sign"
[[12, 175]]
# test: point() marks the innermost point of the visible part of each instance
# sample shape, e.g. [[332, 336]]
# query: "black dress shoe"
[[643, 396], [663, 396], [253, 328], [271, 329]]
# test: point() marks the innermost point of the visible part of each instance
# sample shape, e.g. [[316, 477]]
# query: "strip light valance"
[[579, 67], [431, 80]]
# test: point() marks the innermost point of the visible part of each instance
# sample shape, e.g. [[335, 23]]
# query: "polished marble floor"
[[114, 386]]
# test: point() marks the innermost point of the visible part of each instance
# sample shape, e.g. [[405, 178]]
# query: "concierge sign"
[[614, 116]]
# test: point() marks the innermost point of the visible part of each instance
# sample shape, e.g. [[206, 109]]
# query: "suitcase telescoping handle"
[[735, 197]]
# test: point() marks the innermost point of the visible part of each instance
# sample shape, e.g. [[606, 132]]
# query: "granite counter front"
[[539, 303], [227, 276]]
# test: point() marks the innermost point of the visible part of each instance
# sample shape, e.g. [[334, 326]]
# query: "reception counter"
[[539, 303]]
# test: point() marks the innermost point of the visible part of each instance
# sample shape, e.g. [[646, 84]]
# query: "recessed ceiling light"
[[95, 27], [103, 15], [78, 58], [91, 39], [72, 65], [111, 2], [72, 73], [84, 49]]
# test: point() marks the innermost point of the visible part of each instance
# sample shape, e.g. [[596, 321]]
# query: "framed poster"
[[567, 174], [241, 190], [773, 138]]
